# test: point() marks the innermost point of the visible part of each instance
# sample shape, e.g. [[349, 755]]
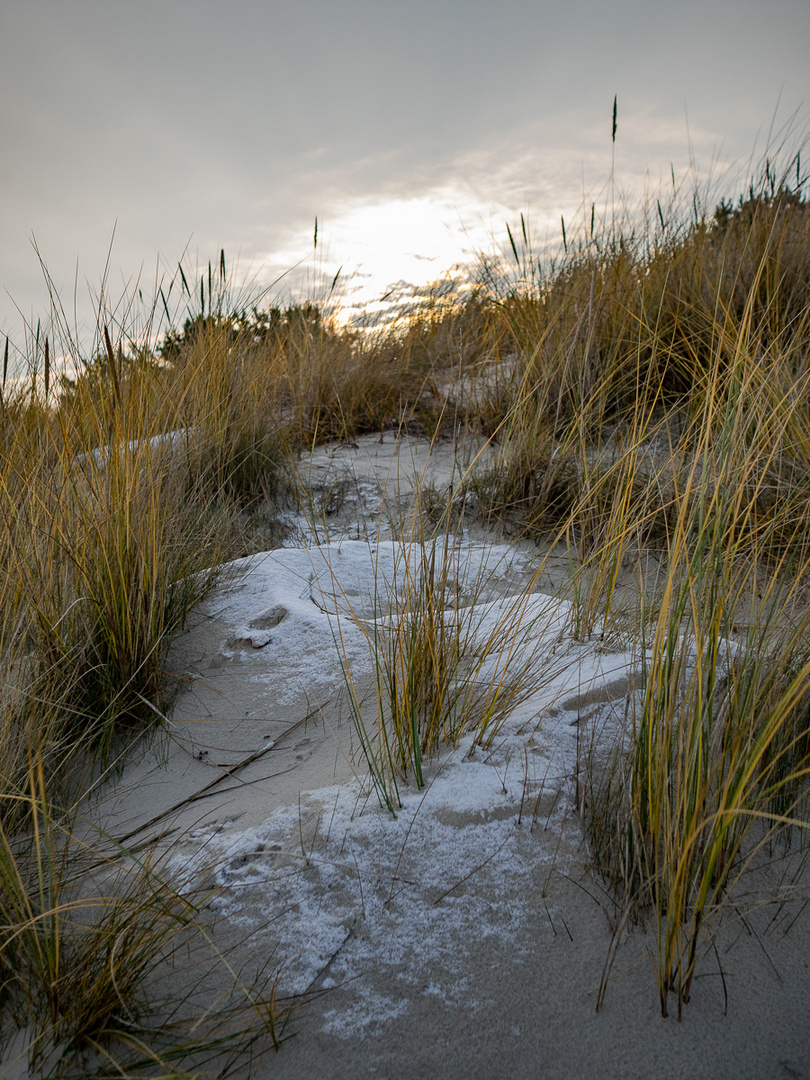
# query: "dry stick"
[[205, 793], [466, 877], [223, 776], [241, 784]]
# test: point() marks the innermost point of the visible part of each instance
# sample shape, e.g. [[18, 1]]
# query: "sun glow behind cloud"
[[410, 235], [400, 245], [386, 252], [379, 246], [387, 249]]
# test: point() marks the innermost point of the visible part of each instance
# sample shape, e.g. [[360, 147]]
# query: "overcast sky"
[[412, 130]]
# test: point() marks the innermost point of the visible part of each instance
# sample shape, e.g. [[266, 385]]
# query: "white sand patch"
[[332, 882], [326, 877]]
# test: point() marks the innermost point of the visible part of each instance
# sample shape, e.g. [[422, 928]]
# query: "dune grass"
[[660, 407], [645, 396], [83, 968], [123, 490], [111, 529], [716, 761], [448, 659]]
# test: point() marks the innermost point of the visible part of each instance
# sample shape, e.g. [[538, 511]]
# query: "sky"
[[136, 133]]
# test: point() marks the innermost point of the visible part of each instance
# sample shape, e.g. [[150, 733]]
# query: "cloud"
[[412, 132]]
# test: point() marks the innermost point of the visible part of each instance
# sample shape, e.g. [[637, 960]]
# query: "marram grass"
[[645, 395]]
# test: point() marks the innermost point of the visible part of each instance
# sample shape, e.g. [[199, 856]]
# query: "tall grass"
[[717, 761], [658, 406], [448, 659], [123, 489], [652, 415], [83, 972], [645, 397], [113, 523]]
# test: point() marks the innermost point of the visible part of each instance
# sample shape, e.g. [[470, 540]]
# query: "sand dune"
[[465, 936]]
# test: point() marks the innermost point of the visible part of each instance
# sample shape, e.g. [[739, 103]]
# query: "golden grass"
[[82, 972], [646, 401], [447, 660]]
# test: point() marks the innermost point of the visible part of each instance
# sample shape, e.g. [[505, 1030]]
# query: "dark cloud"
[[234, 125]]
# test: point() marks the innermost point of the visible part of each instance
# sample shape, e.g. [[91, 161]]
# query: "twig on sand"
[[207, 790], [466, 877]]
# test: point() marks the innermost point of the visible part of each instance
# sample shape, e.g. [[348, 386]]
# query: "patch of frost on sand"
[[335, 885], [326, 594], [340, 889]]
